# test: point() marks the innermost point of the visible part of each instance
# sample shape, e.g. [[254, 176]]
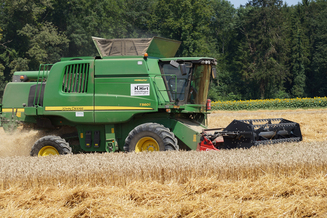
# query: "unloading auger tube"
[[248, 133]]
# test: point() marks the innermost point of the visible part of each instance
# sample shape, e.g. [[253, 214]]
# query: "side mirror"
[[174, 63], [214, 72], [183, 69]]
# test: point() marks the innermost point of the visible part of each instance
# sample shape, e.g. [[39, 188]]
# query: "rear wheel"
[[50, 145], [150, 137]]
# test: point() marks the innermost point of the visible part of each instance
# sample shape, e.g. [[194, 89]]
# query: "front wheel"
[[50, 145], [150, 137]]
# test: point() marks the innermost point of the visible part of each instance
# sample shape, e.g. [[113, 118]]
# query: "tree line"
[[265, 49]]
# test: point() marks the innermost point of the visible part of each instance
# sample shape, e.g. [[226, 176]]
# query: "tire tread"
[[169, 139], [63, 146]]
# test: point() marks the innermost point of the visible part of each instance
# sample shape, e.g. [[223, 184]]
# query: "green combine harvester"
[[135, 96]]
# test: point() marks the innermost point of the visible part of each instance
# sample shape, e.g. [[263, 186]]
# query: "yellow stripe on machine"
[[97, 108], [11, 109], [104, 108]]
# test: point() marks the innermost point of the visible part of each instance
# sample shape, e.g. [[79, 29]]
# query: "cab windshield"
[[187, 84]]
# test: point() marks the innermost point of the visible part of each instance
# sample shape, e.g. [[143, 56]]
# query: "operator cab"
[[187, 81]]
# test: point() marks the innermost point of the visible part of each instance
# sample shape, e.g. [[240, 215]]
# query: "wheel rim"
[[48, 150], [147, 144]]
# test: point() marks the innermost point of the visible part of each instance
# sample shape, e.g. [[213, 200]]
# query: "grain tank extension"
[[135, 96]]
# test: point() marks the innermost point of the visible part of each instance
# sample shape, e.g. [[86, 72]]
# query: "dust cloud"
[[17, 143]]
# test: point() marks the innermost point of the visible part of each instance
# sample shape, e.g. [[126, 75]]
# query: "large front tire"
[[50, 145], [150, 137]]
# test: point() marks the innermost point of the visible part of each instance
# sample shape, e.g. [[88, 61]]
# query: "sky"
[[237, 3]]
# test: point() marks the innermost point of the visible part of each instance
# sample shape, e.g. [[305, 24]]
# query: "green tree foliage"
[[85, 18], [318, 70], [187, 21], [298, 70], [2, 78], [261, 56], [298, 61], [29, 39], [222, 28], [82, 19], [297, 45], [265, 49], [138, 17], [45, 42]]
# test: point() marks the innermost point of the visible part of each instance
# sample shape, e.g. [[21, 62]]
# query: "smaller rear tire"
[[50, 145]]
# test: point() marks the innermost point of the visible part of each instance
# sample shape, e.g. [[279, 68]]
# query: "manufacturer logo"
[[140, 89], [72, 108]]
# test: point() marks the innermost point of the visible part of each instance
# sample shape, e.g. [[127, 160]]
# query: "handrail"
[[173, 75], [158, 90]]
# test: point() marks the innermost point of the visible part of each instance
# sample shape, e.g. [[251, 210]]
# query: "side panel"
[[92, 137], [15, 95], [189, 133], [120, 66], [69, 91], [114, 101], [122, 89]]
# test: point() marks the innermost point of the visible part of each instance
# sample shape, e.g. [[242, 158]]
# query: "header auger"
[[135, 96]]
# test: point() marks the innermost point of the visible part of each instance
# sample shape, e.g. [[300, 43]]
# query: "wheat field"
[[282, 180]]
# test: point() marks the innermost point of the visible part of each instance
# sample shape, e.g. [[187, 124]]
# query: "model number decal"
[[79, 114], [140, 89], [145, 104]]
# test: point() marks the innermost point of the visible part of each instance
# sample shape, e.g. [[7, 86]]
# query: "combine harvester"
[[136, 96]]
